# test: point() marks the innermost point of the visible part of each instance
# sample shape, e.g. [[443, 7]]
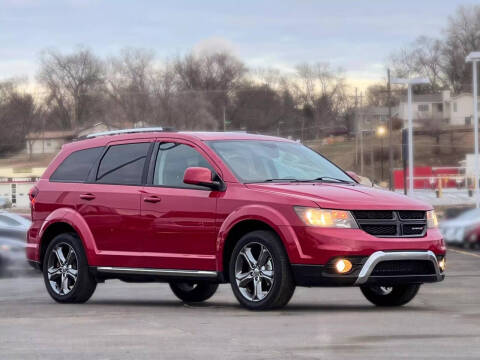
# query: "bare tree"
[[422, 58], [18, 116], [215, 75], [323, 94], [72, 82], [129, 84], [442, 60], [462, 37]]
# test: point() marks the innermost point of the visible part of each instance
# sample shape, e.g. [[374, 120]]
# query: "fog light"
[[343, 266], [442, 264]]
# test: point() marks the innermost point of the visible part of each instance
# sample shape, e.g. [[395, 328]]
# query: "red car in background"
[[265, 214]]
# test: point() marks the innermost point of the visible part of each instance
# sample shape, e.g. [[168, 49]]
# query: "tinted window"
[[123, 164], [172, 161], [77, 165]]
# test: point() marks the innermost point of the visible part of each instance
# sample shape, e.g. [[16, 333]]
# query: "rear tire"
[[390, 296], [261, 282], [193, 292], [65, 270]]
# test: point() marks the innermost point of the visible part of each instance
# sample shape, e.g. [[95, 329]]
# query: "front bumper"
[[364, 273]]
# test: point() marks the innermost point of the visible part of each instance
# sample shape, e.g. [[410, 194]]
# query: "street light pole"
[[474, 57], [410, 82], [410, 141]]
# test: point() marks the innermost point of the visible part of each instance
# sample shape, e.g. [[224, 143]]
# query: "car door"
[[110, 203], [179, 219]]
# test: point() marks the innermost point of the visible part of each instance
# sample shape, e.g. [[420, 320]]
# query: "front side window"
[[77, 166], [123, 164], [263, 161], [172, 161], [423, 107]]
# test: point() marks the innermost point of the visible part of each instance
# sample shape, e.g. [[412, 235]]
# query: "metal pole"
[[382, 157], [361, 154], [390, 135], [410, 142], [475, 132]]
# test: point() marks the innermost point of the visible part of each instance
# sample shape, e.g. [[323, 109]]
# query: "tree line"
[[206, 91]]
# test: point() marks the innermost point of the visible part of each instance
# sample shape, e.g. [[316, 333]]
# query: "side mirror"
[[202, 177], [354, 176]]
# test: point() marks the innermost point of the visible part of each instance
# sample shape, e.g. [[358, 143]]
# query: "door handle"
[[152, 199], [87, 196]]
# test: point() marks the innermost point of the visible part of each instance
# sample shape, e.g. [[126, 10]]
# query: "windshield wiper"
[[329, 179], [281, 179]]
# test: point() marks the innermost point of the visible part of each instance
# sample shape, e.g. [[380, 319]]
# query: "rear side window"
[[76, 167], [123, 164]]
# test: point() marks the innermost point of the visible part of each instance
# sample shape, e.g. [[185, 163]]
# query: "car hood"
[[344, 196]]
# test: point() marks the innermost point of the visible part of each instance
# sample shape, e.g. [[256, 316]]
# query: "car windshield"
[[255, 161]]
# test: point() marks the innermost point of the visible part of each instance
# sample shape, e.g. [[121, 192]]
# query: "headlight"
[[326, 218], [432, 221]]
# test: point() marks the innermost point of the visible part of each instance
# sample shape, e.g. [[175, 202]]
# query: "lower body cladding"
[[380, 268], [102, 273]]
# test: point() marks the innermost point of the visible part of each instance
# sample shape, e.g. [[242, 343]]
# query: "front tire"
[[193, 292], [65, 270], [259, 272], [390, 296]]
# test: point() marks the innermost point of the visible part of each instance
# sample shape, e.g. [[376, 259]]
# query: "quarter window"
[[123, 164], [77, 166], [172, 161]]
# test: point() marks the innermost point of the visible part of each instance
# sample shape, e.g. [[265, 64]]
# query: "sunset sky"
[[355, 35]]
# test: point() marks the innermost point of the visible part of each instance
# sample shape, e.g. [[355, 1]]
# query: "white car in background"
[[13, 233], [463, 230]]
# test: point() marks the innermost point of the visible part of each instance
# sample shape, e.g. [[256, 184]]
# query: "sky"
[[354, 35]]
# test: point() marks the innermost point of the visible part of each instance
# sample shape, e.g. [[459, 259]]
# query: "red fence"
[[426, 177]]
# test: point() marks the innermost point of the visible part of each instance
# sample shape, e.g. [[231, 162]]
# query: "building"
[[47, 142], [50, 142], [443, 109], [426, 108], [461, 109], [15, 183]]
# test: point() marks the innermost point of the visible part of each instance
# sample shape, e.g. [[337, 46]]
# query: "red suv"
[[197, 209]]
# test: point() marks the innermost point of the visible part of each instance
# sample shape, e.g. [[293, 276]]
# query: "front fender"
[[78, 223], [267, 215]]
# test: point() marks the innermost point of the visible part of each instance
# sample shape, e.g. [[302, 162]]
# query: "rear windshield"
[[77, 166]]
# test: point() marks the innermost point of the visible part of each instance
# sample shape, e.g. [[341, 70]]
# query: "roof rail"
[[128, 131]]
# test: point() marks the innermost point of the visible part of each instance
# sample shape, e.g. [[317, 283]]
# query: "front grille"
[[373, 214], [411, 215], [380, 230], [389, 223], [403, 267]]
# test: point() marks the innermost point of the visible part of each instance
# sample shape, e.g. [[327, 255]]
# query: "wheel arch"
[[249, 219], [67, 221]]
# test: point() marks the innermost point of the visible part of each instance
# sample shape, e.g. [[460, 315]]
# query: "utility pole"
[[390, 136]]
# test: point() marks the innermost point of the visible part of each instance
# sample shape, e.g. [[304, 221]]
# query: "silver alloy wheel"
[[382, 290], [254, 273], [62, 268]]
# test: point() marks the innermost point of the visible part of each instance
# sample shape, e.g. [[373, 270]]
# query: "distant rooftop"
[[431, 98]]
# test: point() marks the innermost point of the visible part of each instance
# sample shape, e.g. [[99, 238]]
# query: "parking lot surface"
[[146, 321]]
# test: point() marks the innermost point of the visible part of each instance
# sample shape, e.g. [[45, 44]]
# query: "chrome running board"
[[380, 256], [157, 272]]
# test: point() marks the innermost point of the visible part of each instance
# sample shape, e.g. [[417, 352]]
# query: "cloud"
[[213, 45]]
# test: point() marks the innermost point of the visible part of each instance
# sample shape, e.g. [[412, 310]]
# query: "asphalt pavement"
[[145, 321]]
